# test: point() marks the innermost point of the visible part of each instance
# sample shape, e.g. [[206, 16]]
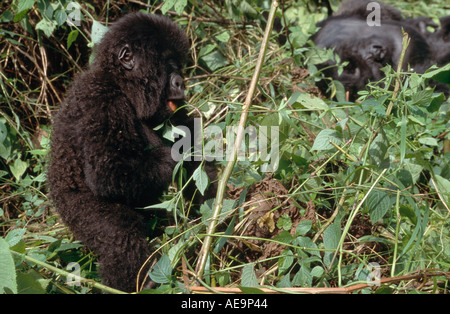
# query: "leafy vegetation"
[[360, 189]]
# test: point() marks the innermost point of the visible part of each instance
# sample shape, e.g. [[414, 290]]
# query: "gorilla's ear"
[[126, 57]]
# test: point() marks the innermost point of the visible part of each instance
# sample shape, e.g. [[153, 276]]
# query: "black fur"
[[440, 42], [369, 48], [106, 159]]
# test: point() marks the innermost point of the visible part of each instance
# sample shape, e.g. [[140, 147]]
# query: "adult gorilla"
[[369, 48]]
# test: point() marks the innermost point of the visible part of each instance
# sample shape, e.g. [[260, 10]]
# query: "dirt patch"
[[265, 204], [362, 226]]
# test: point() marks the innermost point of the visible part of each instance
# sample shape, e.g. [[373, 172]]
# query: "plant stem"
[[405, 43], [204, 252], [397, 230], [68, 274], [349, 223]]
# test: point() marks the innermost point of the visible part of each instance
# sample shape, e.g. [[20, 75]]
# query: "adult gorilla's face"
[[367, 49]]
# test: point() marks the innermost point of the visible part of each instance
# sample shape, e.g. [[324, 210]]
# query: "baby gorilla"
[[106, 159]]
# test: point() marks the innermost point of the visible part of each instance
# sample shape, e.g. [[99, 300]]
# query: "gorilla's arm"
[[124, 160]]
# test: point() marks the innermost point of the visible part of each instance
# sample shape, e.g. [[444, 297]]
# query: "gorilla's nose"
[[176, 87]]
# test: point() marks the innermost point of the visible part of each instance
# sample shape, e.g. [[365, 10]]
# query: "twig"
[[203, 256], [439, 195], [210, 75], [405, 43], [349, 223], [419, 275], [333, 216], [67, 274]]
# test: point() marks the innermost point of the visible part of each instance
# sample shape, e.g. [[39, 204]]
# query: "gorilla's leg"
[[113, 231]]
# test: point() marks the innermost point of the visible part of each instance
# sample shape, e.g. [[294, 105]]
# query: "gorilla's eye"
[[173, 66]]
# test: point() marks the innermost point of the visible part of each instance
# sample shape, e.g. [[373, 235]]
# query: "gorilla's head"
[[143, 54], [368, 49]]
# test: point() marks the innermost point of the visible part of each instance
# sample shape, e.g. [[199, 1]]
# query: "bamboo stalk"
[[419, 275], [203, 256]]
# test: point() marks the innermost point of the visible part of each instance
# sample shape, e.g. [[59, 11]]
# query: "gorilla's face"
[[160, 76], [368, 49], [144, 55]]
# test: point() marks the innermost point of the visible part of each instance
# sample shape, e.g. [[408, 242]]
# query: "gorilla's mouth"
[[176, 91], [172, 105], [175, 103]]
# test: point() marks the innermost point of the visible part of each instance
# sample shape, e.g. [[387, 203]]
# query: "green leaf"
[[223, 37], [3, 130], [405, 178], [19, 17], [23, 5], [168, 205], [168, 4], [430, 141], [284, 237], [307, 101], [71, 38], [18, 168], [246, 8], [436, 102], [303, 278], [331, 236], [206, 210], [307, 243], [443, 186], [375, 106], [248, 278], [421, 97], [162, 271], [46, 9], [303, 227], [7, 269], [206, 49], [60, 17], [46, 26], [322, 141], [378, 149], [284, 222], [215, 60], [97, 32], [317, 271], [31, 283], [432, 74], [378, 203], [15, 236], [224, 278], [414, 170], [402, 139], [201, 179], [285, 262], [6, 16], [175, 252], [178, 5]]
